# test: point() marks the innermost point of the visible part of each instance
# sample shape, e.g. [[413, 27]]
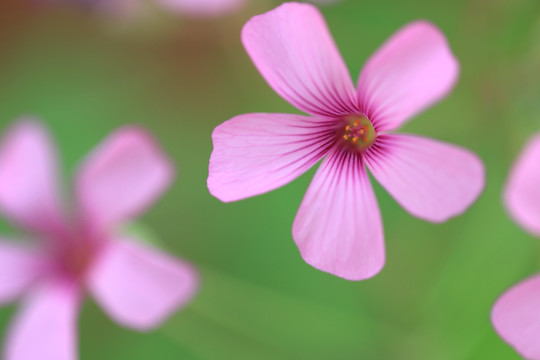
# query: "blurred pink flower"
[[202, 8], [516, 314], [137, 285], [192, 8], [212, 8], [338, 227], [134, 8]]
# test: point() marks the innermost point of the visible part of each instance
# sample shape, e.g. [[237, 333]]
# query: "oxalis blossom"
[[338, 228], [211, 7], [516, 314], [202, 8], [69, 253], [192, 8]]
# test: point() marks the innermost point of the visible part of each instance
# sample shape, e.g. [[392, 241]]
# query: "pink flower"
[[138, 286], [338, 228], [211, 8], [192, 8], [516, 314], [202, 8]]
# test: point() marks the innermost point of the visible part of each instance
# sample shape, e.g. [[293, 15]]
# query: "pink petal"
[[256, 153], [294, 51], [19, 268], [122, 177], [140, 287], [45, 328], [522, 194], [338, 228], [203, 8], [412, 70], [28, 183], [430, 179], [516, 317]]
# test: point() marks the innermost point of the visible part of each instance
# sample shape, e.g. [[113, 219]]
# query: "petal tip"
[[160, 284], [214, 188], [348, 274], [142, 137], [520, 194], [415, 67], [285, 8], [123, 176], [476, 188], [442, 180], [515, 317], [188, 293]]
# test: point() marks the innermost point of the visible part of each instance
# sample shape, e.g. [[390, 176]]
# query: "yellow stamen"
[[358, 132]]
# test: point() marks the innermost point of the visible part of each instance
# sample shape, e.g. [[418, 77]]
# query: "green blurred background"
[[85, 75]]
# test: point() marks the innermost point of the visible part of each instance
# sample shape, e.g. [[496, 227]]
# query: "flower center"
[[75, 253], [358, 132], [77, 261]]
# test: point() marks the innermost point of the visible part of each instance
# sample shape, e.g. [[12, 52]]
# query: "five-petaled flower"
[[338, 228], [516, 314], [83, 249]]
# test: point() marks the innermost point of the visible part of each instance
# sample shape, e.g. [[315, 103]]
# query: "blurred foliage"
[[85, 75]]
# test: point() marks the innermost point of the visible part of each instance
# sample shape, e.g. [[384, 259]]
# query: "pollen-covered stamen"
[[358, 132]]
